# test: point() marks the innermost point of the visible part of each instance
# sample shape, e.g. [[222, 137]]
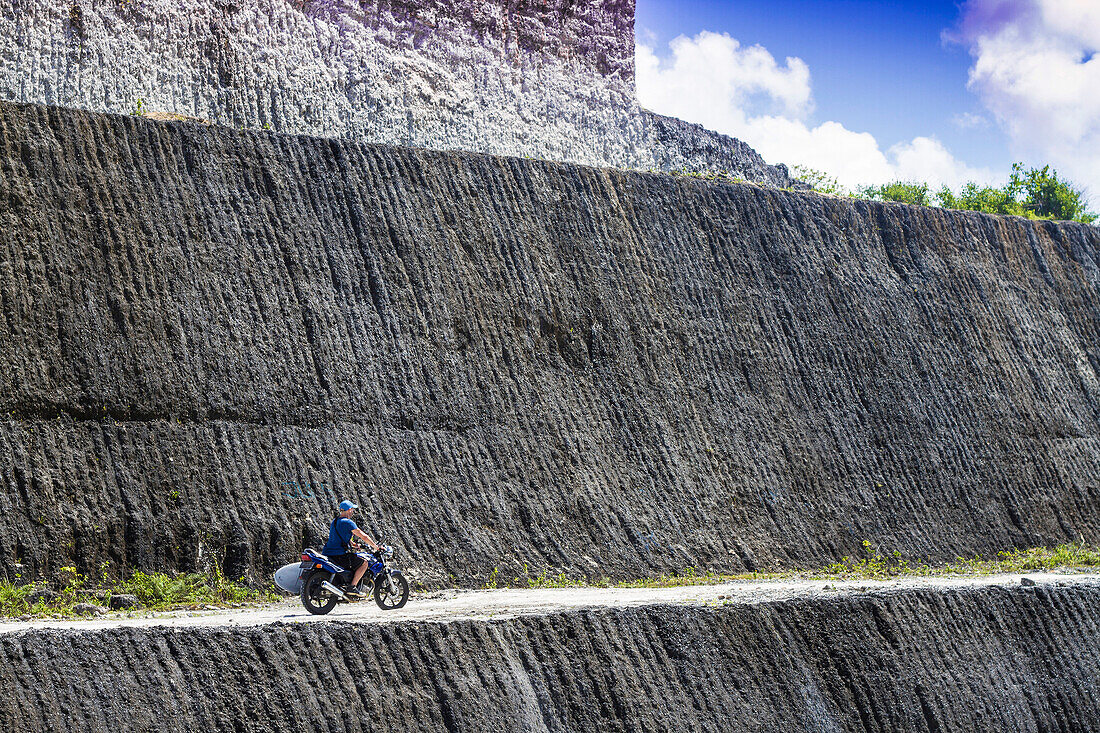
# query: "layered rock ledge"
[[208, 336], [537, 78], [983, 658]]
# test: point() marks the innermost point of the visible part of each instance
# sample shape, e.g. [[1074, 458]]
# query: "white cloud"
[[1036, 70], [647, 35], [743, 91], [926, 159], [969, 121]]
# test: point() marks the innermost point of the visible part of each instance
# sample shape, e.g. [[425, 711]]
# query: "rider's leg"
[[359, 573]]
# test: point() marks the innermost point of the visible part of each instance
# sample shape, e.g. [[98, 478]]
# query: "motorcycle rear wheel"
[[315, 598], [391, 598]]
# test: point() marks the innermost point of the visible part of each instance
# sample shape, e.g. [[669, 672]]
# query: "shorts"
[[349, 562]]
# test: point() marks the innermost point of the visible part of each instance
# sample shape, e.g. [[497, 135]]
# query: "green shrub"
[[159, 590], [154, 591], [900, 191], [821, 181], [14, 599], [877, 565], [1037, 193], [985, 199], [1047, 196]]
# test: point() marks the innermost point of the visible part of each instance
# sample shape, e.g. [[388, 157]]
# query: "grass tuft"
[[875, 565], [154, 591]]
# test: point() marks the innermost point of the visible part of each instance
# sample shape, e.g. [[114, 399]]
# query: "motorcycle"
[[322, 584]]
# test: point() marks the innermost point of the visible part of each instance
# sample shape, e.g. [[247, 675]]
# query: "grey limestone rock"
[[551, 80], [123, 601], [209, 337], [44, 595], [992, 660]]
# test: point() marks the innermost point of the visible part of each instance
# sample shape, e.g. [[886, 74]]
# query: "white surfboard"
[[289, 577]]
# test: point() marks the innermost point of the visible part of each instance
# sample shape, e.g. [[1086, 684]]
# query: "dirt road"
[[446, 606]]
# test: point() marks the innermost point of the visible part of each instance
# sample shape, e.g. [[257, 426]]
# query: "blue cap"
[[345, 505]]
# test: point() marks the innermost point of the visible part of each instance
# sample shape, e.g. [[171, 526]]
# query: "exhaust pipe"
[[333, 589]]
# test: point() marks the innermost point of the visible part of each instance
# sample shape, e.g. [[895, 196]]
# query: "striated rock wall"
[[208, 336], [534, 78], [1016, 661]]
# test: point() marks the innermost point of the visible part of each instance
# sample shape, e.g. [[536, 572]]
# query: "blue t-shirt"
[[339, 536]]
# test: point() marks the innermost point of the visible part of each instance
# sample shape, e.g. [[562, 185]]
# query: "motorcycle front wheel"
[[314, 597], [391, 590]]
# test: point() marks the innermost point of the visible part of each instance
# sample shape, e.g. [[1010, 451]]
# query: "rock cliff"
[[1020, 660], [545, 79], [208, 336]]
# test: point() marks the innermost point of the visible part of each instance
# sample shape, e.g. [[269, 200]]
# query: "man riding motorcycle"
[[339, 548]]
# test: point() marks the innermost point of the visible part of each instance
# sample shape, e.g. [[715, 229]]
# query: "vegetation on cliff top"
[[1035, 193]]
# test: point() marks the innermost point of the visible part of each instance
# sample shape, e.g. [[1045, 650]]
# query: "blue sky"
[[883, 68]]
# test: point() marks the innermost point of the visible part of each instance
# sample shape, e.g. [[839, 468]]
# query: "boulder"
[[42, 594], [123, 602]]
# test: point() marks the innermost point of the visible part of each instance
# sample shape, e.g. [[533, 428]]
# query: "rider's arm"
[[364, 536]]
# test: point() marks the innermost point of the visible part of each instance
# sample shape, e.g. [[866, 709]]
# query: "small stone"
[[89, 609], [43, 594], [123, 602], [1027, 582], [827, 587]]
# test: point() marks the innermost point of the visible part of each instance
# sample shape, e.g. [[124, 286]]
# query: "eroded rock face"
[[209, 337], [989, 660], [551, 80]]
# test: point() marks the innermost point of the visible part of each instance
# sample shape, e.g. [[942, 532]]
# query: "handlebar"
[[383, 550]]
